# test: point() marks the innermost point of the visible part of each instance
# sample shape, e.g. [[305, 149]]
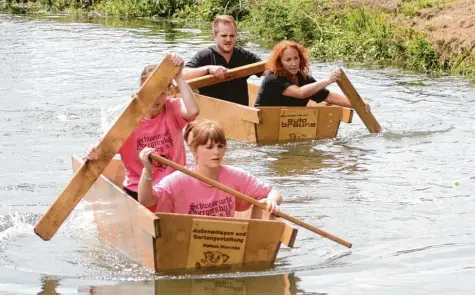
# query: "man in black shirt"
[[218, 58]]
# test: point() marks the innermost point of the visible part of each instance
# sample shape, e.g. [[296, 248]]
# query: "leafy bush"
[[206, 10]]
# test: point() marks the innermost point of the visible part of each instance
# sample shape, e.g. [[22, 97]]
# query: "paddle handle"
[[358, 104], [248, 199], [234, 73]]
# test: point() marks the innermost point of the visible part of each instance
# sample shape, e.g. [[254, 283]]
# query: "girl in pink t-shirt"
[[160, 129], [183, 194]]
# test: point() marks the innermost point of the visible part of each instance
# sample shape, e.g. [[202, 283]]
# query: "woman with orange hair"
[[289, 82]]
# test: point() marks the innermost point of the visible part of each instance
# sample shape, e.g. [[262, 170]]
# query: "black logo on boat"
[[212, 259], [300, 122]]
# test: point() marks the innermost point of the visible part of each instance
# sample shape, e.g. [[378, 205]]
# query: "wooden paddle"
[[248, 199], [358, 104], [234, 73], [109, 145]]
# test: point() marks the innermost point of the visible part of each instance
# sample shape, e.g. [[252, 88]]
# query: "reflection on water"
[[281, 284], [305, 159], [48, 286], [173, 32], [282, 161]]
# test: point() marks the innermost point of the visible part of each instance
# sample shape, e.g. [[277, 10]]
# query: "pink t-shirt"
[[164, 134], [183, 194]]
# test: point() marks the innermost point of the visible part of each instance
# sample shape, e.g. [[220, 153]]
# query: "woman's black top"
[[273, 86]]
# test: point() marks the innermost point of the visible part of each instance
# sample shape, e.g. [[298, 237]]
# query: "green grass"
[[411, 8]]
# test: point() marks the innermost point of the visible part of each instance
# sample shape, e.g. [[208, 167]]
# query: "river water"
[[404, 198]]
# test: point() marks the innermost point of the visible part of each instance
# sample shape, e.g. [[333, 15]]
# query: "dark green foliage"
[[120, 8], [206, 10]]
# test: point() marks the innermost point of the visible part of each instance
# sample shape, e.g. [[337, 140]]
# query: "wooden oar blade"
[[78, 186], [234, 73], [110, 144], [358, 104]]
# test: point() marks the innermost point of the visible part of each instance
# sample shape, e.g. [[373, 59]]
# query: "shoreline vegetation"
[[356, 32]]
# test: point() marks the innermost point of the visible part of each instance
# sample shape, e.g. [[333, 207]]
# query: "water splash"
[[15, 225]]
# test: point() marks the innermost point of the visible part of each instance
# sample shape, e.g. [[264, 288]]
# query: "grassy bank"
[[355, 35], [332, 30]]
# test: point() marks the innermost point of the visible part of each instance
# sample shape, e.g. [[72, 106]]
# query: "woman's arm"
[[337, 99], [305, 91], [145, 194], [190, 108], [340, 100]]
